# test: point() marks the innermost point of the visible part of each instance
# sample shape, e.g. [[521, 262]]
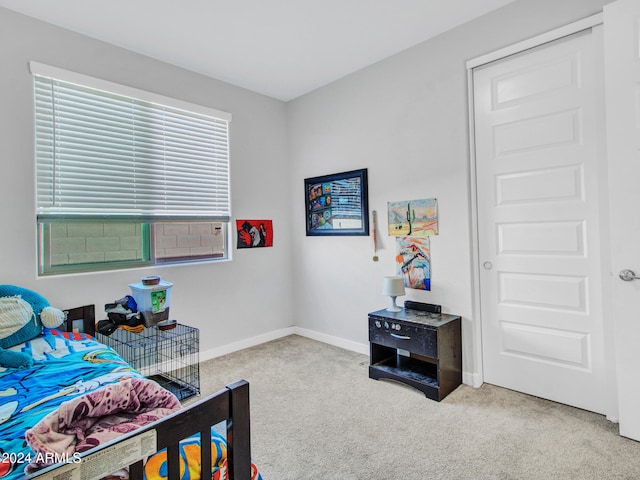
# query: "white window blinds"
[[108, 151]]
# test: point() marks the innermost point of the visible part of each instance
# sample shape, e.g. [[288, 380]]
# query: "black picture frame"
[[337, 204]]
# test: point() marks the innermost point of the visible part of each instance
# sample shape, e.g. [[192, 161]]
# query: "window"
[[126, 178]]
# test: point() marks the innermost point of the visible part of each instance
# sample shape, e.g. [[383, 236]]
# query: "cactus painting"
[[411, 217], [416, 218]]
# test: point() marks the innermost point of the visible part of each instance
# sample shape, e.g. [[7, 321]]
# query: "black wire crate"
[[170, 357]]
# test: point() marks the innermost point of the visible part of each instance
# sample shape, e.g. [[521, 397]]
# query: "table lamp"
[[393, 287]]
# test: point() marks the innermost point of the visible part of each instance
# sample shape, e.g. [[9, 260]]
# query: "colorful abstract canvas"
[[413, 218], [413, 262], [254, 233]]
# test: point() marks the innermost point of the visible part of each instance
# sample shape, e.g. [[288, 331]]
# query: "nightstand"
[[420, 349]]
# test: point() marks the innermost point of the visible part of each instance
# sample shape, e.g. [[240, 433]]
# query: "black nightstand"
[[420, 349]]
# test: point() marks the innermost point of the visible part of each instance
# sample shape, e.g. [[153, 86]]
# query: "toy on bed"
[[23, 314], [51, 378]]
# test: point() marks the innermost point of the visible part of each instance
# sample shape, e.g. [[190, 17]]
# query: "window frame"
[[148, 222], [45, 267]]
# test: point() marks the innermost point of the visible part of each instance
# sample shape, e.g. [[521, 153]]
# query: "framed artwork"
[[413, 261], [337, 204], [417, 218], [254, 233]]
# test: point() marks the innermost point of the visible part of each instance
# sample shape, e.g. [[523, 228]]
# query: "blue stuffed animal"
[[23, 314]]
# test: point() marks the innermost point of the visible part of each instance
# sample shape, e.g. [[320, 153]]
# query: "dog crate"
[[170, 357]]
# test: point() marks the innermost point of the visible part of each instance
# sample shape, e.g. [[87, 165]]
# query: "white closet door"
[[537, 139], [622, 79]]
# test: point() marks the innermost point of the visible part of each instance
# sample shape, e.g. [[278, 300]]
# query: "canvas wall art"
[[413, 261], [254, 233], [417, 218]]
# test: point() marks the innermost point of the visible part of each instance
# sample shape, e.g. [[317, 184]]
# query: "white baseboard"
[[472, 379], [331, 340], [267, 337], [246, 343]]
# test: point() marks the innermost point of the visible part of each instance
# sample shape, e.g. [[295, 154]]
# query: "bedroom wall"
[[406, 120], [230, 301]]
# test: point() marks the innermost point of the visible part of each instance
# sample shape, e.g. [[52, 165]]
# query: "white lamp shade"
[[393, 286]]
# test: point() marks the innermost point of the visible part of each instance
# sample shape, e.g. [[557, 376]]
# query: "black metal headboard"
[[80, 319]]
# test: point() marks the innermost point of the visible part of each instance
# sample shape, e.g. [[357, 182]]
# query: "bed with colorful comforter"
[[79, 394]]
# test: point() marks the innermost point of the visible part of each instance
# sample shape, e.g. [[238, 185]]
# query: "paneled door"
[[539, 141], [622, 62]]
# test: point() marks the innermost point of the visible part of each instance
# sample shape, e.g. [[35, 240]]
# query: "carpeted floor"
[[315, 414]]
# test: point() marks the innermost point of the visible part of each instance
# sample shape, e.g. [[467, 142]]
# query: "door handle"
[[628, 275]]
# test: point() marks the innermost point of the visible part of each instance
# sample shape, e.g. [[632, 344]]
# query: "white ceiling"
[[280, 48]]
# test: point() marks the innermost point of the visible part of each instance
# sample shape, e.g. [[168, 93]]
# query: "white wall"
[[229, 302], [406, 120]]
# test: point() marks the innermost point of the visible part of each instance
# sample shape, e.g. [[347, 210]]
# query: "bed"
[[74, 379]]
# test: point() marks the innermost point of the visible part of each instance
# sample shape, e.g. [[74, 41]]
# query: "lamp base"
[[393, 307]]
